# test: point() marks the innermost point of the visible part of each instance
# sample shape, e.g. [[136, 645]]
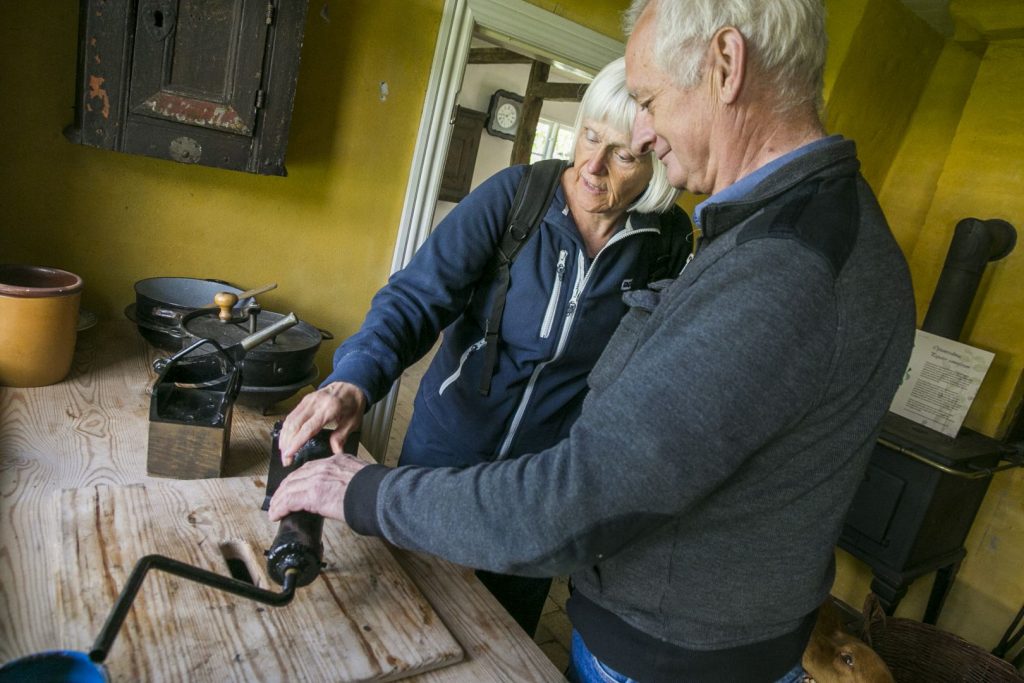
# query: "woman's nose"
[[596, 162], [643, 138]]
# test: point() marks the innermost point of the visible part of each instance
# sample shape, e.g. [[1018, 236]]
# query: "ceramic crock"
[[38, 324]]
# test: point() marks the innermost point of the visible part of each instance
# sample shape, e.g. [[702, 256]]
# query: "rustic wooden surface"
[[91, 430], [362, 619]]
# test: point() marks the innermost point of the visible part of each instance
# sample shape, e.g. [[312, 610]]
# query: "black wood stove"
[[922, 489]]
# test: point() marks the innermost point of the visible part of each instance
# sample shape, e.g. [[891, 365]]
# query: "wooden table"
[[91, 429]]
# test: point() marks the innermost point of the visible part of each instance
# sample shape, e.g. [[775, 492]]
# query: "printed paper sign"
[[941, 382]]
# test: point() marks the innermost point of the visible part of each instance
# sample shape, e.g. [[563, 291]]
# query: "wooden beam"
[[531, 114], [560, 92], [496, 55]]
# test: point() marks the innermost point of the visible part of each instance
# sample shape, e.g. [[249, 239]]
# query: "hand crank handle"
[[117, 615]]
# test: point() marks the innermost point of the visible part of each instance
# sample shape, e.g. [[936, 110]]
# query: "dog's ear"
[[829, 620], [874, 617]]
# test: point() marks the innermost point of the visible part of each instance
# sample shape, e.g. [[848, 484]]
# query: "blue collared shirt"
[[746, 184]]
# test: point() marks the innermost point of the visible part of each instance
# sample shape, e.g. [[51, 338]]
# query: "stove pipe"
[[975, 243]]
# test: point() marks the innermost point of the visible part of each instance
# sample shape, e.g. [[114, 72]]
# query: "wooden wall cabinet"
[[208, 82]]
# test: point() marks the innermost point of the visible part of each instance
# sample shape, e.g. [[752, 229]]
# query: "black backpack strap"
[[533, 195]]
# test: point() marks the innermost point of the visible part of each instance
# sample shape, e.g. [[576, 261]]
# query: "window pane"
[[563, 143], [540, 139]]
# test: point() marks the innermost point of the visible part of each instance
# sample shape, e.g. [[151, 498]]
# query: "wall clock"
[[504, 114]]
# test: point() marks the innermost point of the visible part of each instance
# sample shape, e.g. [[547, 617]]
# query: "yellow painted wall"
[[325, 233], [842, 20], [876, 91], [988, 19], [960, 156], [914, 175]]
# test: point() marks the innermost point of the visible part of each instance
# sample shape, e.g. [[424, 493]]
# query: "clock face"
[[503, 114], [506, 116]]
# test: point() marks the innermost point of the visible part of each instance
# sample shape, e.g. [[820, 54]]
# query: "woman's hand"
[[340, 403]]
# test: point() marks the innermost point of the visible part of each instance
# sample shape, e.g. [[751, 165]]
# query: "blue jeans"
[[584, 667]]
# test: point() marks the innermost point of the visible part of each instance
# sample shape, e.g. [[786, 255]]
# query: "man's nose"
[[643, 137]]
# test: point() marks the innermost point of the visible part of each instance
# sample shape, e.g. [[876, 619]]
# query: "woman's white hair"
[[607, 101], [786, 40]]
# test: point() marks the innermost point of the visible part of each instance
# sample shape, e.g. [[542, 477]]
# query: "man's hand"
[[339, 402], [318, 486]]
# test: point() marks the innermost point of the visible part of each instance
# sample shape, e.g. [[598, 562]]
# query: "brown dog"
[[835, 656]]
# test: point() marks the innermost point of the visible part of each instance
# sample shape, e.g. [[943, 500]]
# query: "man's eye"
[[625, 158]]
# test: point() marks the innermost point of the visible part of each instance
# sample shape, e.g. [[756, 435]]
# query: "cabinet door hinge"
[[271, 13], [260, 96]]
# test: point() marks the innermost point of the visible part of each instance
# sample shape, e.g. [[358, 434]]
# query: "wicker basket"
[[920, 653]]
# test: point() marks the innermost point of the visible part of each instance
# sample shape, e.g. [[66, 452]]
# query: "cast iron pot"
[[162, 302]]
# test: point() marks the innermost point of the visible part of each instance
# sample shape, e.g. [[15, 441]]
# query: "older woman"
[[611, 226]]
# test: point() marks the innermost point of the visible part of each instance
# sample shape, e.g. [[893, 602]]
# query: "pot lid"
[[184, 292], [205, 324]]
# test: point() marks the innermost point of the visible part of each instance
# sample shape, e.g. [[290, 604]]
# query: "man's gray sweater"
[[729, 422]]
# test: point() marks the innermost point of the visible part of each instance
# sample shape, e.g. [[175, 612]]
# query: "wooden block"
[[182, 451], [362, 619]]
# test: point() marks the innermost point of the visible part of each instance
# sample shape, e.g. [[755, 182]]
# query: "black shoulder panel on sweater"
[[823, 216]]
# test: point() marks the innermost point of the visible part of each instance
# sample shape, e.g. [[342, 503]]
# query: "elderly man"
[[698, 498]]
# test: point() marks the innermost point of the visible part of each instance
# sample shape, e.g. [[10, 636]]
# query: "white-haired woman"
[[611, 226]]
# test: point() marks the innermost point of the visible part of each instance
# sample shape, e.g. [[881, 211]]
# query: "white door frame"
[[518, 25]]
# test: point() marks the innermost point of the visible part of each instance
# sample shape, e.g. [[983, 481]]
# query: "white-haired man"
[[700, 493]]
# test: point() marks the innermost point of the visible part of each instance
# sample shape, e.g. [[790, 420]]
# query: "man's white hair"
[[786, 40]]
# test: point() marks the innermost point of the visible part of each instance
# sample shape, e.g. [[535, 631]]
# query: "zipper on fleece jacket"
[[556, 292], [462, 361], [579, 286], [695, 238]]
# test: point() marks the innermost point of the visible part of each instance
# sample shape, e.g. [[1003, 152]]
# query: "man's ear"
[[729, 63]]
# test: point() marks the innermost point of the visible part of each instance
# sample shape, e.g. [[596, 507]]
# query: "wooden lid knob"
[[225, 302]]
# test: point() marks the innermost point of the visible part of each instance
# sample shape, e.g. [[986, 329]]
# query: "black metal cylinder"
[[297, 546], [975, 243]]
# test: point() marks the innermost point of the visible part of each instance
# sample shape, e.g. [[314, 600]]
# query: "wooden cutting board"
[[362, 619]]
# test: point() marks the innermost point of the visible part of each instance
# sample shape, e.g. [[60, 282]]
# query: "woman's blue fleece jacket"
[[560, 311]]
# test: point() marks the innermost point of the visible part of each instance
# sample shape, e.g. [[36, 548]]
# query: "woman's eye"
[[625, 158]]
